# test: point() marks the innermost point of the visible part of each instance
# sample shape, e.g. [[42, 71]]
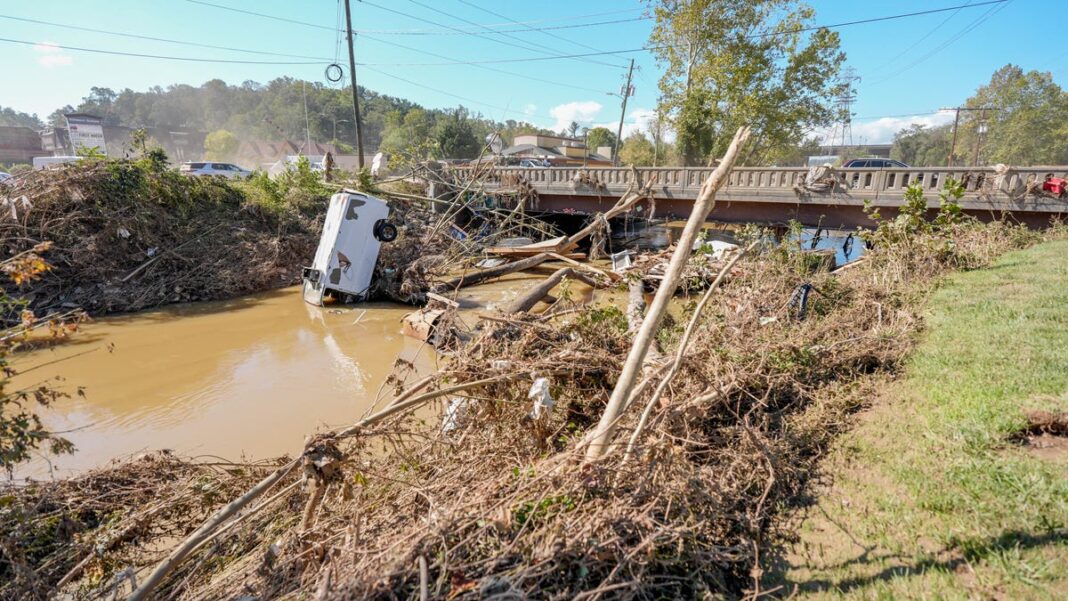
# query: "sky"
[[422, 50]]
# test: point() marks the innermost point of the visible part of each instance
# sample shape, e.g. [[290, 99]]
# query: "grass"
[[930, 497]]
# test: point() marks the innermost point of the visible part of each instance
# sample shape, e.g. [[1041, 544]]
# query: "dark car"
[[874, 164]]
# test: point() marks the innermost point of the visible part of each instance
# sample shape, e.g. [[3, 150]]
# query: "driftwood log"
[[706, 199]]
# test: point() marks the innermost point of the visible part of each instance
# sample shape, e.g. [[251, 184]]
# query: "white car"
[[227, 170]]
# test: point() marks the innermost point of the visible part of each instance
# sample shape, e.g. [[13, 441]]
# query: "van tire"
[[385, 231]]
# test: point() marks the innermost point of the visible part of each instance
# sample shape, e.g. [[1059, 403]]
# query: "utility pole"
[[956, 124], [980, 131], [352, 79], [626, 93]]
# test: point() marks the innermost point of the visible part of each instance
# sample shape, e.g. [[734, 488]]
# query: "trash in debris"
[[454, 414], [543, 401], [492, 262], [621, 261], [717, 249], [429, 323]]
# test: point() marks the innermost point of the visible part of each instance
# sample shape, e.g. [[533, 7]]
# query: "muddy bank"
[[131, 235]]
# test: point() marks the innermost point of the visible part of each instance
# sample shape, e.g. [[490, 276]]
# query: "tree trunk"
[[706, 199]]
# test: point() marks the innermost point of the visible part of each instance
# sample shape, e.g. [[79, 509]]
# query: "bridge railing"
[[684, 182]]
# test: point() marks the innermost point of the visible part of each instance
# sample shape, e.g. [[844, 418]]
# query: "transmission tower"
[[842, 134]]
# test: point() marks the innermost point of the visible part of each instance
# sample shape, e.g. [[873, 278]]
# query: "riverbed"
[[249, 377]]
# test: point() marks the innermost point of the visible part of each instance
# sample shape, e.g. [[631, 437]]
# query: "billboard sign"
[[86, 132]]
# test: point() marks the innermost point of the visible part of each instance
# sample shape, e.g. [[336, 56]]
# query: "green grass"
[[930, 499]]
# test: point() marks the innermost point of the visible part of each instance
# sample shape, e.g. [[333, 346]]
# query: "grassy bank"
[[931, 496]]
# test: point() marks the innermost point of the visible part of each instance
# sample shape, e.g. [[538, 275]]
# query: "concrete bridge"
[[776, 195]]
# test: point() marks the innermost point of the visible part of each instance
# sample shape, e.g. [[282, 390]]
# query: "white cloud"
[[581, 112], [881, 131], [637, 120], [530, 110], [51, 55]]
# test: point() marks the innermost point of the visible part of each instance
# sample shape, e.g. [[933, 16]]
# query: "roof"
[[530, 148]]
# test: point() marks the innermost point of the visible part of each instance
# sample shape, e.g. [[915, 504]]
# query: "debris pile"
[[130, 235]]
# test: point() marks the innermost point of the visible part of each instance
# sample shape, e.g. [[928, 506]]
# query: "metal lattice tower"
[[842, 134]]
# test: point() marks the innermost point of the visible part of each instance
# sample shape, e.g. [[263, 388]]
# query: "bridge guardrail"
[[884, 187]]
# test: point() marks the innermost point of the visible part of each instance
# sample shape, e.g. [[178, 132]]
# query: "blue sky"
[[909, 67]]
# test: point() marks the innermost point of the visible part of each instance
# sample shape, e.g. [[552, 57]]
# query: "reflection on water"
[[847, 245], [249, 377]]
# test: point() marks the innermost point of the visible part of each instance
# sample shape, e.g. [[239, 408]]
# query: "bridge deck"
[[781, 192]]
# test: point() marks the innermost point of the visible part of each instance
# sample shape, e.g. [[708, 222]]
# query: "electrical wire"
[[919, 41], [161, 57], [946, 44], [417, 32], [483, 67], [528, 28], [155, 39], [522, 43], [753, 36], [450, 94]]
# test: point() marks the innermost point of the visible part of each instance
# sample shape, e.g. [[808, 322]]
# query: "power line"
[[967, 29], [484, 67], [423, 32], [543, 31], [456, 96], [160, 56], [919, 41], [474, 34], [540, 29], [155, 39], [753, 36]]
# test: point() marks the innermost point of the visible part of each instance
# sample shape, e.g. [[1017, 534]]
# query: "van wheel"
[[385, 231]]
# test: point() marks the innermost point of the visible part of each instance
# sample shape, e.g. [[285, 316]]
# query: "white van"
[[354, 230]]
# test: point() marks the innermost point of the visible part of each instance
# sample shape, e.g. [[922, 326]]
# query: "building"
[[180, 144], [557, 150], [20, 145]]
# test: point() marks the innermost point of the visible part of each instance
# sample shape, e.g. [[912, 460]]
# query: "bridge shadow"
[[951, 559]]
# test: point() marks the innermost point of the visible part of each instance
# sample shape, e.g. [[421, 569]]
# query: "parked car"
[[535, 163], [227, 170], [874, 164]]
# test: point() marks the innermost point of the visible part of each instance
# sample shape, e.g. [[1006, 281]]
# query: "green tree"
[[1029, 127], [600, 136], [734, 62], [9, 117], [637, 150], [921, 146], [220, 145], [456, 138]]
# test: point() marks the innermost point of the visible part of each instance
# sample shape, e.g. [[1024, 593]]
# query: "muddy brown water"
[[249, 377]]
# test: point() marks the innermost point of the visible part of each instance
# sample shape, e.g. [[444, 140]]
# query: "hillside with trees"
[[276, 110]]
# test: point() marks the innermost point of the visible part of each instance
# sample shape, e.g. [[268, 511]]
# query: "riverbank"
[[937, 494]]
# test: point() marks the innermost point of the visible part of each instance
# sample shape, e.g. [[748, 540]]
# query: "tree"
[[220, 145], [637, 150], [600, 136], [572, 129], [456, 139], [734, 62], [9, 117], [922, 146], [1029, 127]]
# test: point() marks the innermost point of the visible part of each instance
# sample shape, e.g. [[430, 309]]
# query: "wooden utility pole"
[[623, 113], [956, 124], [352, 79]]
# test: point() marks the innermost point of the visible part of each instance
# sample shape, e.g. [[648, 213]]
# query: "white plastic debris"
[[543, 401], [152, 251], [500, 364], [454, 414], [621, 261], [124, 233], [716, 248]]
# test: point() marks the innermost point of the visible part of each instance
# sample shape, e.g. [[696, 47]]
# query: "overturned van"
[[354, 230]]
